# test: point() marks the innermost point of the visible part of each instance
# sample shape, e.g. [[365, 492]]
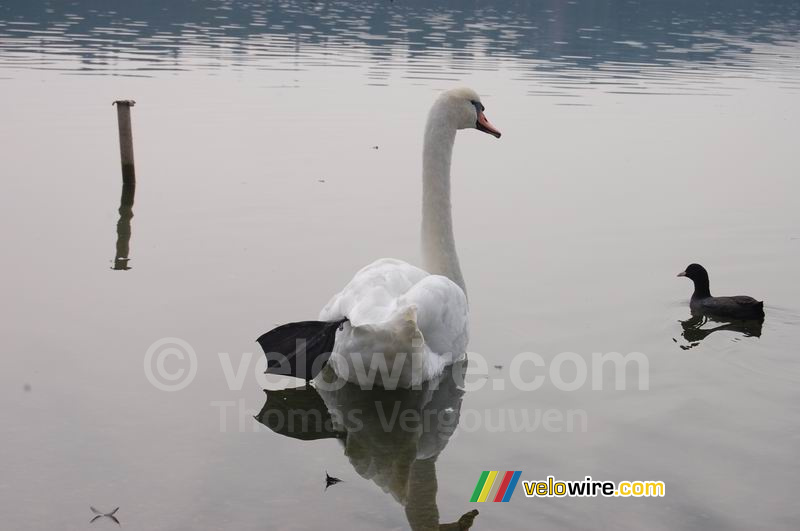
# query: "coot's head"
[[697, 273]]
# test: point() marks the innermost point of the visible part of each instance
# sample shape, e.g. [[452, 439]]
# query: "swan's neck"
[[438, 245]]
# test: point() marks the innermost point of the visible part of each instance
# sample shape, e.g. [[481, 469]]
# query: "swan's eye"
[[478, 105]]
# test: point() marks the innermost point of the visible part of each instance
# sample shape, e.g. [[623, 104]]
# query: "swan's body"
[[402, 325], [416, 320]]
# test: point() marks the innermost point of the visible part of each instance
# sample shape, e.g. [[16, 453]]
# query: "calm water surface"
[[277, 148]]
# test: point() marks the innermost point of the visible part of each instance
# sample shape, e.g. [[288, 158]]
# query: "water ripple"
[[680, 47]]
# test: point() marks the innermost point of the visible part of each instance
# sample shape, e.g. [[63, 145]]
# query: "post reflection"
[[122, 256], [392, 438]]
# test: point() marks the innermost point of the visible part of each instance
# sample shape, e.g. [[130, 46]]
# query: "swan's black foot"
[[299, 349]]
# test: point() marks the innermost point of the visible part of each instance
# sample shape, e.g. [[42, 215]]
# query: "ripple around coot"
[[679, 47]]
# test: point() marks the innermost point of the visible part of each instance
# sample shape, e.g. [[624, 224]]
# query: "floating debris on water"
[[101, 514], [330, 480]]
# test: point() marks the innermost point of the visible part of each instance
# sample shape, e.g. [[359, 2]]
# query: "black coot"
[[738, 307]]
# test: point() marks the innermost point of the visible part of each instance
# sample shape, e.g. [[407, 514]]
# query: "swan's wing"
[[441, 314], [396, 309], [384, 288], [371, 296]]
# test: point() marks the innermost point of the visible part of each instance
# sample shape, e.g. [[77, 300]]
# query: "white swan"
[[395, 324]]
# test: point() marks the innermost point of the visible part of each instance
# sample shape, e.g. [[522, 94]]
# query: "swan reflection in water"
[[695, 329], [391, 437]]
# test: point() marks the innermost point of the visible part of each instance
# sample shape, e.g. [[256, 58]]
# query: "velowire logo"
[[496, 486]]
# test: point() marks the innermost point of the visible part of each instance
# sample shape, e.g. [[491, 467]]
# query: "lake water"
[[278, 150]]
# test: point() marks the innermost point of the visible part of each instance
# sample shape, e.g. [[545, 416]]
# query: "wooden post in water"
[[126, 140]]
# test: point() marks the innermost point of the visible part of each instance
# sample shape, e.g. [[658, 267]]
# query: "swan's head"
[[463, 108]]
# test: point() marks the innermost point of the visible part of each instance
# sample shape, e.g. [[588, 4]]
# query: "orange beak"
[[484, 125]]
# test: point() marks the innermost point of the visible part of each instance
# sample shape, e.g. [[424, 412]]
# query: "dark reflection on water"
[[681, 45], [392, 438], [123, 247], [696, 330]]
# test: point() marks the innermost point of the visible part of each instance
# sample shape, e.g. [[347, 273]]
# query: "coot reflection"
[[391, 437], [696, 330]]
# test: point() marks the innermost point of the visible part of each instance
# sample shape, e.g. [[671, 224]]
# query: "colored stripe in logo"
[[503, 486], [496, 486], [479, 487], [488, 485], [512, 485]]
